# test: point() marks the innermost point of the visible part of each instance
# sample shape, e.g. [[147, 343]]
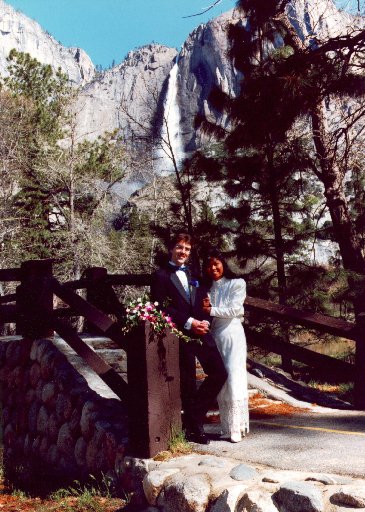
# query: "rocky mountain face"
[[132, 94], [204, 65], [130, 91], [155, 82], [139, 86], [25, 35]]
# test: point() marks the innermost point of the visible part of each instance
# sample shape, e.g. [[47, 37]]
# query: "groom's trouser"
[[196, 403]]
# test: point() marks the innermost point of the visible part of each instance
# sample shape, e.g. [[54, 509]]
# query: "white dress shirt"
[[183, 278]]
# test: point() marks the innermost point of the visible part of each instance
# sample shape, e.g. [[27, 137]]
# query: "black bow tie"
[[175, 268]]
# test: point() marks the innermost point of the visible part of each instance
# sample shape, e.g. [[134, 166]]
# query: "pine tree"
[[263, 176], [282, 85], [46, 94], [64, 182], [299, 84]]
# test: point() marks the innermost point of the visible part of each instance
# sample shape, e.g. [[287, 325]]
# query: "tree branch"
[[204, 11]]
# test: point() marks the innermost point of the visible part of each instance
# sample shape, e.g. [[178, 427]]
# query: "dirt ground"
[[10, 503]]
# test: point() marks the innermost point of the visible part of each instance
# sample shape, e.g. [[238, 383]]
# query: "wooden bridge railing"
[[153, 389], [324, 324], [35, 316]]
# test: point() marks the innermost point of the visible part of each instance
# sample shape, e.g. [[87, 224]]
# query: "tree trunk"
[[278, 241], [286, 362], [332, 179]]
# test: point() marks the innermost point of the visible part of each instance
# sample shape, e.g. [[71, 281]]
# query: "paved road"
[[315, 439], [329, 442]]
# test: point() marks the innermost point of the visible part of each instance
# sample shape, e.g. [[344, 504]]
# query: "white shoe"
[[236, 438]]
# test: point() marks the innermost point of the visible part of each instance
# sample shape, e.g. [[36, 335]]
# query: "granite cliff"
[[143, 79], [26, 35], [134, 92], [132, 88]]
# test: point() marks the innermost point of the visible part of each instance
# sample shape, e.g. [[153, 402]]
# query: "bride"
[[225, 304]]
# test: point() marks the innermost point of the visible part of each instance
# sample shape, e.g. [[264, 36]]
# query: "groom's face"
[[180, 253]]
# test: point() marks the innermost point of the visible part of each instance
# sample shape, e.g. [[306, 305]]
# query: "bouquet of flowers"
[[143, 309]]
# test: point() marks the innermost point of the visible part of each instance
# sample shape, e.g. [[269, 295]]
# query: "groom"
[[181, 298]]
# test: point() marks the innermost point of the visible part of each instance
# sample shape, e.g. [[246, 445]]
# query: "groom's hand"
[[199, 328]]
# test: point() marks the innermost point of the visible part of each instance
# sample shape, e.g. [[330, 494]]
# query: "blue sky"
[[108, 29]]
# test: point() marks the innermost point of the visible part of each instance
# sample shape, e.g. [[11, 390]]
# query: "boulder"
[[185, 493], [350, 496], [298, 497], [228, 500], [154, 481]]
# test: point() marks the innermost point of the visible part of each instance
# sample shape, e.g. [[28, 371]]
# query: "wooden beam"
[[64, 313], [77, 284], [81, 306], [91, 313], [8, 313], [11, 297], [10, 274], [35, 299], [103, 369], [130, 279], [330, 366], [101, 294], [323, 323], [359, 387]]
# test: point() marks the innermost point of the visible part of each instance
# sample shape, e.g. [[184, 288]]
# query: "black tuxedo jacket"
[[168, 291]]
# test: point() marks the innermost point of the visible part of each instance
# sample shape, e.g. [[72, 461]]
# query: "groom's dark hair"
[[181, 237]]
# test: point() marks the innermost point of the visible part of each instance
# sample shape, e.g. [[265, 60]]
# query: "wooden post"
[[35, 299], [101, 294], [359, 380], [154, 408], [95, 277]]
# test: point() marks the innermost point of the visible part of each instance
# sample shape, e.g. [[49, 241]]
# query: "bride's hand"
[[206, 305]]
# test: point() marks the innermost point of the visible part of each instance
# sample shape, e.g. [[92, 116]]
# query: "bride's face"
[[215, 269]]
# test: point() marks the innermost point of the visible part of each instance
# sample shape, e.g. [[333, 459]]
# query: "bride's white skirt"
[[230, 338]]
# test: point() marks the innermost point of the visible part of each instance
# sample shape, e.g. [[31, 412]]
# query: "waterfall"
[[170, 143], [322, 252]]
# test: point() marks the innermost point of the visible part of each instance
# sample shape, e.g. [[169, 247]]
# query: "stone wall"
[[53, 423]]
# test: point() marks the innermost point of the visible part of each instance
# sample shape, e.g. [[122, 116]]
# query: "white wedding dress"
[[227, 297]]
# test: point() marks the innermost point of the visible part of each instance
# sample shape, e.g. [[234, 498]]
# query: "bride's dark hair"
[[217, 255]]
